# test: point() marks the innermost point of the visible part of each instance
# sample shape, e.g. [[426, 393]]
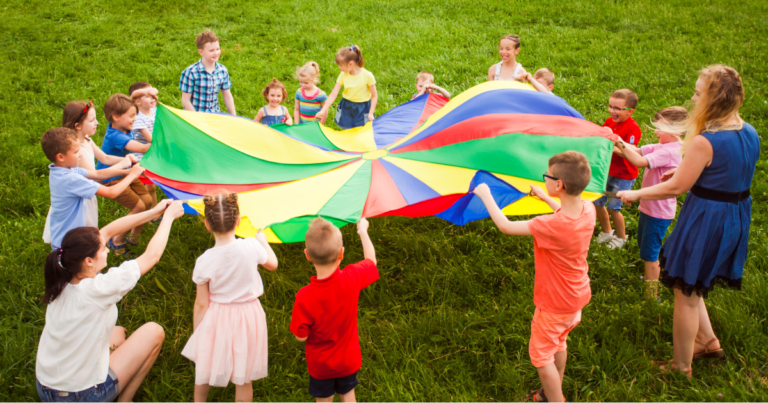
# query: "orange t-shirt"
[[560, 247]]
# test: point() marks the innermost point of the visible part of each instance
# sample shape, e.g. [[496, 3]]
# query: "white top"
[[518, 70], [143, 122], [231, 271], [73, 353]]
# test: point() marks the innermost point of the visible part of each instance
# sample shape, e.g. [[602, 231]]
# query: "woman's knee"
[[155, 332]]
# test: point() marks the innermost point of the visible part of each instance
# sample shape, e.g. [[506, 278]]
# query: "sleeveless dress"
[[271, 120], [518, 69], [709, 243], [91, 205]]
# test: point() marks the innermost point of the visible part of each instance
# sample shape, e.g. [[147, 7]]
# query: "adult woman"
[[709, 243], [74, 362]]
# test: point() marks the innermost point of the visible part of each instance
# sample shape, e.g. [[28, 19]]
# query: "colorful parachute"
[[418, 159]]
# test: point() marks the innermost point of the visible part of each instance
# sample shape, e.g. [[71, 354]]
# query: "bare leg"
[[560, 358], [705, 333], [685, 326], [134, 358], [244, 392], [117, 339], [325, 399], [201, 392], [618, 223], [651, 277], [602, 217], [152, 194], [551, 382], [348, 397], [146, 201], [138, 208]]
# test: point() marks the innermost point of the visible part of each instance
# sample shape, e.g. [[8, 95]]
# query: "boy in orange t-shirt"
[[560, 246]]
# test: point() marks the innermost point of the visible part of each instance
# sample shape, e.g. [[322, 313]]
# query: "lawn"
[[450, 317]]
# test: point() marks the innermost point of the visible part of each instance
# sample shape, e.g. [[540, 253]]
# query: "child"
[[274, 113], [425, 82], [71, 185], [120, 111], [621, 174], [200, 83], [309, 98], [656, 215], [229, 343], [543, 80], [358, 102], [325, 311], [508, 69], [145, 98], [560, 245]]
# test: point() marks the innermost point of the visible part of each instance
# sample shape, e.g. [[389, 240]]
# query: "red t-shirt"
[[326, 312], [560, 247], [629, 131]]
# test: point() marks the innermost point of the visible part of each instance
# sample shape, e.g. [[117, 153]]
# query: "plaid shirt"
[[205, 86]]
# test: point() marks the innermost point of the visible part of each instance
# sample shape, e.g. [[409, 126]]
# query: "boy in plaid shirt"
[[200, 82]]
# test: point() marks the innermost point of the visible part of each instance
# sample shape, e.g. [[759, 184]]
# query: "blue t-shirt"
[[114, 144], [69, 190]]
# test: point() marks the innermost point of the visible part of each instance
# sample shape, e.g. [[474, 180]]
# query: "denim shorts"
[[323, 388], [352, 114], [614, 185], [650, 233], [103, 392]]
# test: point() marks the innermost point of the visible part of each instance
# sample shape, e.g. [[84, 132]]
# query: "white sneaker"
[[617, 243], [605, 237]]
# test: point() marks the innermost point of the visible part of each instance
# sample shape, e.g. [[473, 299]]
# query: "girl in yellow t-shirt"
[[358, 101]]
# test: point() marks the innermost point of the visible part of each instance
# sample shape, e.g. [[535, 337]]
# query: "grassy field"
[[449, 319]]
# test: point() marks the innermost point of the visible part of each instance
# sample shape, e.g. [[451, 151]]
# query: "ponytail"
[[351, 53], [67, 261]]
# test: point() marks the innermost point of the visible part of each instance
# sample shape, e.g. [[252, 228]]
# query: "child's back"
[[231, 271]]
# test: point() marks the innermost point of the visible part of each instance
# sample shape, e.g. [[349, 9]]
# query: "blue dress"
[[271, 120], [709, 243]]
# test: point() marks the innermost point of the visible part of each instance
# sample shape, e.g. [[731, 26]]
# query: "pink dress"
[[230, 344]]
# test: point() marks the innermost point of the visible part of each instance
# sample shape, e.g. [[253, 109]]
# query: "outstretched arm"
[[507, 227], [369, 252], [442, 91], [271, 263], [125, 224], [541, 194], [631, 154], [156, 246]]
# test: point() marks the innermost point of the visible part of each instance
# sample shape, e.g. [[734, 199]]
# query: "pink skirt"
[[229, 345]]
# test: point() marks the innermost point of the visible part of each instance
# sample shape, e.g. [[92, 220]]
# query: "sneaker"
[[605, 237], [616, 243]]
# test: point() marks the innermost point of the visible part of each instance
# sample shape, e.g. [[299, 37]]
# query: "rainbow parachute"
[[418, 159]]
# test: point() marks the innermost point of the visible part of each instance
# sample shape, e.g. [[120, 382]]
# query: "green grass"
[[449, 319]]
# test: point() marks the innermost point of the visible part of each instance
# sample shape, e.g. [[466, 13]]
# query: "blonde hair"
[[571, 167], [275, 83], [628, 95], [425, 75], [513, 38], [310, 70], [117, 105], [546, 74], [351, 53], [323, 241], [204, 37], [718, 104], [671, 120], [221, 212]]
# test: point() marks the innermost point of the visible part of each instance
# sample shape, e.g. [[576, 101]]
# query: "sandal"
[[667, 366], [536, 395], [128, 239], [709, 354], [120, 250]]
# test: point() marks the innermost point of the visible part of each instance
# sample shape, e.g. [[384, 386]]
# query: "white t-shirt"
[[143, 122], [73, 353], [231, 271]]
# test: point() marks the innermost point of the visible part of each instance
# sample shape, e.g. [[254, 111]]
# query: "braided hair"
[[221, 212]]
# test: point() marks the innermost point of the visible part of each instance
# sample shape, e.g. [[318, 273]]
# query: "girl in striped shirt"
[[309, 98]]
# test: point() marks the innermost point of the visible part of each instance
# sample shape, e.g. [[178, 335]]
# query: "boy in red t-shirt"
[[560, 246], [325, 311], [622, 174]]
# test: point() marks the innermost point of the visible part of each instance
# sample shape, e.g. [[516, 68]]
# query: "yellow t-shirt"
[[356, 87]]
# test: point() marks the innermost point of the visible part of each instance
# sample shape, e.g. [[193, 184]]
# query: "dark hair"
[[57, 141], [65, 262], [351, 53], [221, 212], [137, 86]]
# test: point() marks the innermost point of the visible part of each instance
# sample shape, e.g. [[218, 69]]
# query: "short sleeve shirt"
[[310, 105], [560, 248], [325, 311], [143, 122], [629, 131], [356, 86], [205, 86], [232, 271], [114, 143], [661, 158], [69, 191]]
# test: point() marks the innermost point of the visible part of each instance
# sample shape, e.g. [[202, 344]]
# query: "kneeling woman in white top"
[[73, 358]]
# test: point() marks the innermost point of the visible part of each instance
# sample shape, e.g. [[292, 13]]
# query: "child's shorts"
[[548, 334], [650, 233], [323, 388], [130, 196], [614, 185], [352, 114]]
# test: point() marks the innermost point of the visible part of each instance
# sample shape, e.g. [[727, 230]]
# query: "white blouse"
[[73, 353]]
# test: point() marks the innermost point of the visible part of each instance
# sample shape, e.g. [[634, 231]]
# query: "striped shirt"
[[205, 86], [309, 106], [143, 122]]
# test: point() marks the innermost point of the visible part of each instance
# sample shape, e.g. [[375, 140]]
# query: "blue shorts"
[[103, 392], [352, 114], [614, 185], [323, 388], [650, 234]]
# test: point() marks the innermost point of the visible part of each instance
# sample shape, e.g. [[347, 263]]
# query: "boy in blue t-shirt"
[[71, 185]]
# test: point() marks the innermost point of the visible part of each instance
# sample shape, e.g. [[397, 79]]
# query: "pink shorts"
[[548, 334]]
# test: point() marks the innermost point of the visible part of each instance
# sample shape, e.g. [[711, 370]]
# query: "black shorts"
[[327, 387]]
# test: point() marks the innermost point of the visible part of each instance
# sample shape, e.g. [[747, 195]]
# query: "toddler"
[[229, 343], [145, 98], [325, 311], [309, 98], [656, 215], [358, 101], [274, 113], [508, 69], [622, 174], [561, 283], [425, 82]]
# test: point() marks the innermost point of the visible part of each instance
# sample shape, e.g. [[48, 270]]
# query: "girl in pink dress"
[[229, 343]]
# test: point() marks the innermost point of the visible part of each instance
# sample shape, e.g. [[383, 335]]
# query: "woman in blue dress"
[[709, 243]]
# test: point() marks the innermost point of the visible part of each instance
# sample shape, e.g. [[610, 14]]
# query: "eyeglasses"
[[545, 177], [616, 108], [88, 106]]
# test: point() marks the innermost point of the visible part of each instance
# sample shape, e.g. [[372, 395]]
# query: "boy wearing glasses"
[[561, 283], [622, 174]]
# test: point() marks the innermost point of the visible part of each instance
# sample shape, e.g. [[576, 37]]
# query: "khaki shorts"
[[131, 196]]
